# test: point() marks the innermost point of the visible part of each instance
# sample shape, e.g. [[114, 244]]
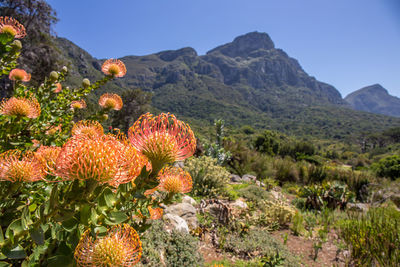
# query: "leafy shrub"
[[331, 195], [389, 167], [172, 249], [258, 243], [255, 194], [286, 170], [374, 237], [209, 179], [279, 212]]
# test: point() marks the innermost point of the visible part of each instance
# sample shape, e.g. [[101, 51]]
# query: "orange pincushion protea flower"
[[175, 180], [47, 156], [58, 88], [105, 159], [155, 213], [114, 67], [88, 128], [162, 139], [111, 101], [78, 104], [19, 75], [17, 168], [12, 27], [53, 129], [120, 247], [21, 107]]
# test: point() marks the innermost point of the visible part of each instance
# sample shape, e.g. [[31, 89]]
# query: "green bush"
[[172, 249], [374, 237], [258, 243], [209, 179], [255, 194], [389, 167], [286, 170]]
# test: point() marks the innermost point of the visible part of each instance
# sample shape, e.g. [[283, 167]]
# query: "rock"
[[260, 184], [249, 178], [235, 178], [186, 211], [189, 200], [395, 198], [361, 207], [239, 204], [277, 195], [176, 223]]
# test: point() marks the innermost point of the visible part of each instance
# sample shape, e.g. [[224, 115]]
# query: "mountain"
[[245, 82], [375, 99]]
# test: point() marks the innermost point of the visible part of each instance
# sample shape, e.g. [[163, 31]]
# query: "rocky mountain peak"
[[171, 55], [243, 45]]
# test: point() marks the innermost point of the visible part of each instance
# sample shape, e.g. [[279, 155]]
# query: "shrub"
[[255, 194], [286, 170], [258, 243], [169, 249], [279, 212], [331, 195], [374, 237], [209, 179], [389, 167]]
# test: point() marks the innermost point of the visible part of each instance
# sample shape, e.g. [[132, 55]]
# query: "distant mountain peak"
[[375, 99], [242, 45], [170, 55]]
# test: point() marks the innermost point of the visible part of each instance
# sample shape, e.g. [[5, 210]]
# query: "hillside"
[[245, 82], [375, 99]]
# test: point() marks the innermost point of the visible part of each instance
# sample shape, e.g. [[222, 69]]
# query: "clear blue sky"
[[347, 43]]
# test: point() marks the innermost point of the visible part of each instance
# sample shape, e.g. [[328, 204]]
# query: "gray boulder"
[[186, 211], [189, 200], [235, 178], [249, 178], [174, 222]]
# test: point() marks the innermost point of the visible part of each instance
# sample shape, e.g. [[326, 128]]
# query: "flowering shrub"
[[68, 190]]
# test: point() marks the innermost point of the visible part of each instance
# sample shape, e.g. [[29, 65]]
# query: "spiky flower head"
[[21, 107], [19, 75], [155, 213], [78, 104], [54, 129], [12, 27], [162, 139], [58, 88], [106, 159], [114, 67], [47, 156], [110, 101], [88, 128], [175, 180], [16, 167], [120, 247]]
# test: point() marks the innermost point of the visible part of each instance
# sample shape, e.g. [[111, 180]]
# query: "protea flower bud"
[[114, 67], [78, 104], [53, 76], [16, 167], [175, 180], [12, 27], [110, 101], [64, 69], [85, 83], [120, 247], [162, 139], [16, 44]]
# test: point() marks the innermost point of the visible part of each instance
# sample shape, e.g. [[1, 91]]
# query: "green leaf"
[[1, 235], [116, 217], [16, 253], [14, 228], [85, 214], [60, 260], [37, 235], [4, 264], [70, 225]]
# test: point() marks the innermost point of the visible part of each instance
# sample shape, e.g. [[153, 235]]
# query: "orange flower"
[[19, 75], [120, 247], [21, 107], [175, 180], [58, 88], [47, 156], [12, 27], [110, 101], [156, 213], [17, 168], [53, 129], [114, 67], [162, 139], [105, 159], [88, 128], [78, 104]]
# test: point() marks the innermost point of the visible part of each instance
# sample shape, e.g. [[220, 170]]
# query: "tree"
[[39, 56]]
